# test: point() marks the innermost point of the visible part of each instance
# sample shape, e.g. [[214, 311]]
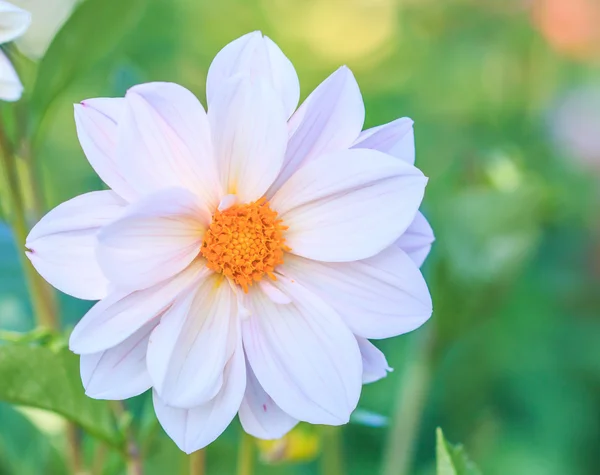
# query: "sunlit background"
[[505, 95]]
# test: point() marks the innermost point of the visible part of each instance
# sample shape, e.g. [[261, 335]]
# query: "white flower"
[[13, 23], [47, 17], [242, 259]]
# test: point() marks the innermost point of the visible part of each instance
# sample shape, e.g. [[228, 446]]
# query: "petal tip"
[[89, 393]]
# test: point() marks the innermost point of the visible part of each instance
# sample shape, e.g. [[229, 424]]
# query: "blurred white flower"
[[243, 257], [575, 125], [47, 17], [13, 23]]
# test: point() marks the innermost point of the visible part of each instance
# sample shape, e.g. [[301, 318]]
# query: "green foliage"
[[93, 31], [47, 377], [26, 448], [452, 459], [491, 234]]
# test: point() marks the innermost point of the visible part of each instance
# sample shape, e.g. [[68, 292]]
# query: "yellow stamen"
[[245, 242]]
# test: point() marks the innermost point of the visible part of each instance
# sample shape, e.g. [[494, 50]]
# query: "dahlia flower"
[[242, 257], [13, 23]]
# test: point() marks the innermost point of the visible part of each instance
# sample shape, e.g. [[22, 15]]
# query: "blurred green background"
[[505, 95]]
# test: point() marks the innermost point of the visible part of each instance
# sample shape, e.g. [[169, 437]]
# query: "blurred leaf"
[[490, 234], [39, 335], [41, 377], [452, 459], [24, 448], [94, 30]]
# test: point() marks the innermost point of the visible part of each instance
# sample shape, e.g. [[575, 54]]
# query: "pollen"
[[245, 242]]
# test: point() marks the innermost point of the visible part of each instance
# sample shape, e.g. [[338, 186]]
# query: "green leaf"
[[94, 30], [452, 459], [48, 378]]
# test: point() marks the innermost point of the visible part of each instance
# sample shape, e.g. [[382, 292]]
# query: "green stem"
[[410, 401], [99, 459], [332, 457], [132, 453], [245, 455], [74, 448], [38, 203], [198, 462], [34, 176], [41, 296]]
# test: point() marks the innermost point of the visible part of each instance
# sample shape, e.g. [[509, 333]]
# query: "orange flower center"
[[245, 242]]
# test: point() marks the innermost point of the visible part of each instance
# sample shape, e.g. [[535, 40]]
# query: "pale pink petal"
[[96, 121], [349, 205], [380, 297], [276, 295], [193, 429], [259, 415], [110, 107], [396, 138], [330, 119], [417, 239], [10, 84], [194, 340], [119, 372], [121, 314], [375, 366], [155, 239], [249, 135], [256, 56], [62, 245], [14, 21], [303, 355], [164, 141]]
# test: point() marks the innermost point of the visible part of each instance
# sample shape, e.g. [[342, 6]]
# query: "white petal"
[[396, 138], [13, 21], [348, 205], [47, 18], [192, 344], [111, 108], [119, 372], [193, 429], [10, 84], [62, 245], [380, 297], [276, 295], [155, 239], [330, 119], [121, 314], [303, 355], [417, 239], [164, 141], [258, 57], [259, 415], [375, 366], [227, 202], [249, 135], [96, 121]]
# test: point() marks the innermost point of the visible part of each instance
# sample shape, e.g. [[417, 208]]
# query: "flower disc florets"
[[245, 242]]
